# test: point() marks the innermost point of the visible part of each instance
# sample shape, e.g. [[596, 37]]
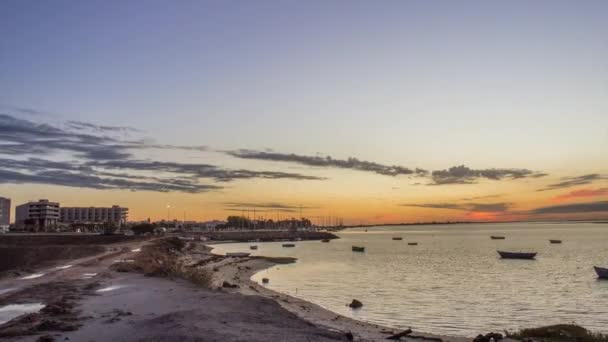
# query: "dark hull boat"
[[289, 245], [602, 273], [555, 241], [493, 237], [253, 247], [412, 243], [517, 255], [398, 238], [358, 249], [325, 240]]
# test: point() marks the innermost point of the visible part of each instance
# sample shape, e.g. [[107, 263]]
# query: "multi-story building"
[[37, 216], [5, 211], [115, 214]]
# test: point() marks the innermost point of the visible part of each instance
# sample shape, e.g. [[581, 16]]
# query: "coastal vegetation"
[[558, 333]]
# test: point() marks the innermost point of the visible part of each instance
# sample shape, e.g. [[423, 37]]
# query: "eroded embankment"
[[19, 252]]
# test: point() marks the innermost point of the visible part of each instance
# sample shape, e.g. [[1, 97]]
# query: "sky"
[[373, 112]]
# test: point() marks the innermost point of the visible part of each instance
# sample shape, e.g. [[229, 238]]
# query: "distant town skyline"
[[433, 113]]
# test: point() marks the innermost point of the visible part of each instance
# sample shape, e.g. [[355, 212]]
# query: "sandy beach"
[[94, 303]]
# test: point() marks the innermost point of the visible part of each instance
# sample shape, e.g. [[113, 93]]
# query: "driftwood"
[[398, 336]]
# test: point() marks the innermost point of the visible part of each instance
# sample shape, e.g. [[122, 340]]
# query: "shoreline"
[[240, 272], [130, 306]]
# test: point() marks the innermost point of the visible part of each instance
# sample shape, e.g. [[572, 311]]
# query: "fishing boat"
[[254, 247], [494, 237], [517, 255], [358, 249], [412, 243], [555, 241], [325, 240], [602, 273], [237, 254], [289, 245], [397, 238]]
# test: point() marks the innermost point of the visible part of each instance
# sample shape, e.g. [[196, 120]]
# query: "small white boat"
[[237, 254], [602, 273]]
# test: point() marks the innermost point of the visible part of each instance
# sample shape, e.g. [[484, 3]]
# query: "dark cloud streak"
[[318, 161], [472, 206]]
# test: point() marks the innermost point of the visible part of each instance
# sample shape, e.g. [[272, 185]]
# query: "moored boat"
[[237, 254], [412, 243], [289, 245], [555, 241], [254, 247], [495, 237], [325, 240], [358, 249], [517, 255], [602, 273], [397, 238]]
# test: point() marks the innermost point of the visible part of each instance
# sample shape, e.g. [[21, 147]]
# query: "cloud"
[[79, 125], [481, 197], [582, 193], [568, 182], [318, 161], [86, 180], [471, 206], [573, 208], [27, 137], [265, 207], [270, 205], [94, 155], [464, 175], [198, 170]]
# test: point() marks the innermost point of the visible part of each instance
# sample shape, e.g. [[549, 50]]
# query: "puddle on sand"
[[32, 276], [11, 311], [63, 267], [111, 288]]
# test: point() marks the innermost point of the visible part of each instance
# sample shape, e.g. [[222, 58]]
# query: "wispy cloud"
[[576, 208], [87, 155], [327, 161], [464, 175], [568, 182], [583, 193], [475, 198], [471, 206], [198, 170], [80, 125], [265, 207]]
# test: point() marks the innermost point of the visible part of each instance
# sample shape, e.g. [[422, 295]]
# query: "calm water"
[[453, 282]]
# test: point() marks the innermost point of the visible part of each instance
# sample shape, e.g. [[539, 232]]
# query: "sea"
[[453, 282]]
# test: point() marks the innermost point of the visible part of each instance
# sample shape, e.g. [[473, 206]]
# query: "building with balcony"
[[92, 215], [37, 216]]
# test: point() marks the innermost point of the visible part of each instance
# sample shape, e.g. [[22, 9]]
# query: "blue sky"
[[429, 84]]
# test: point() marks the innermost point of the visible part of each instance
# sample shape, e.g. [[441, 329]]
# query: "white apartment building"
[[38, 216], [115, 214]]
